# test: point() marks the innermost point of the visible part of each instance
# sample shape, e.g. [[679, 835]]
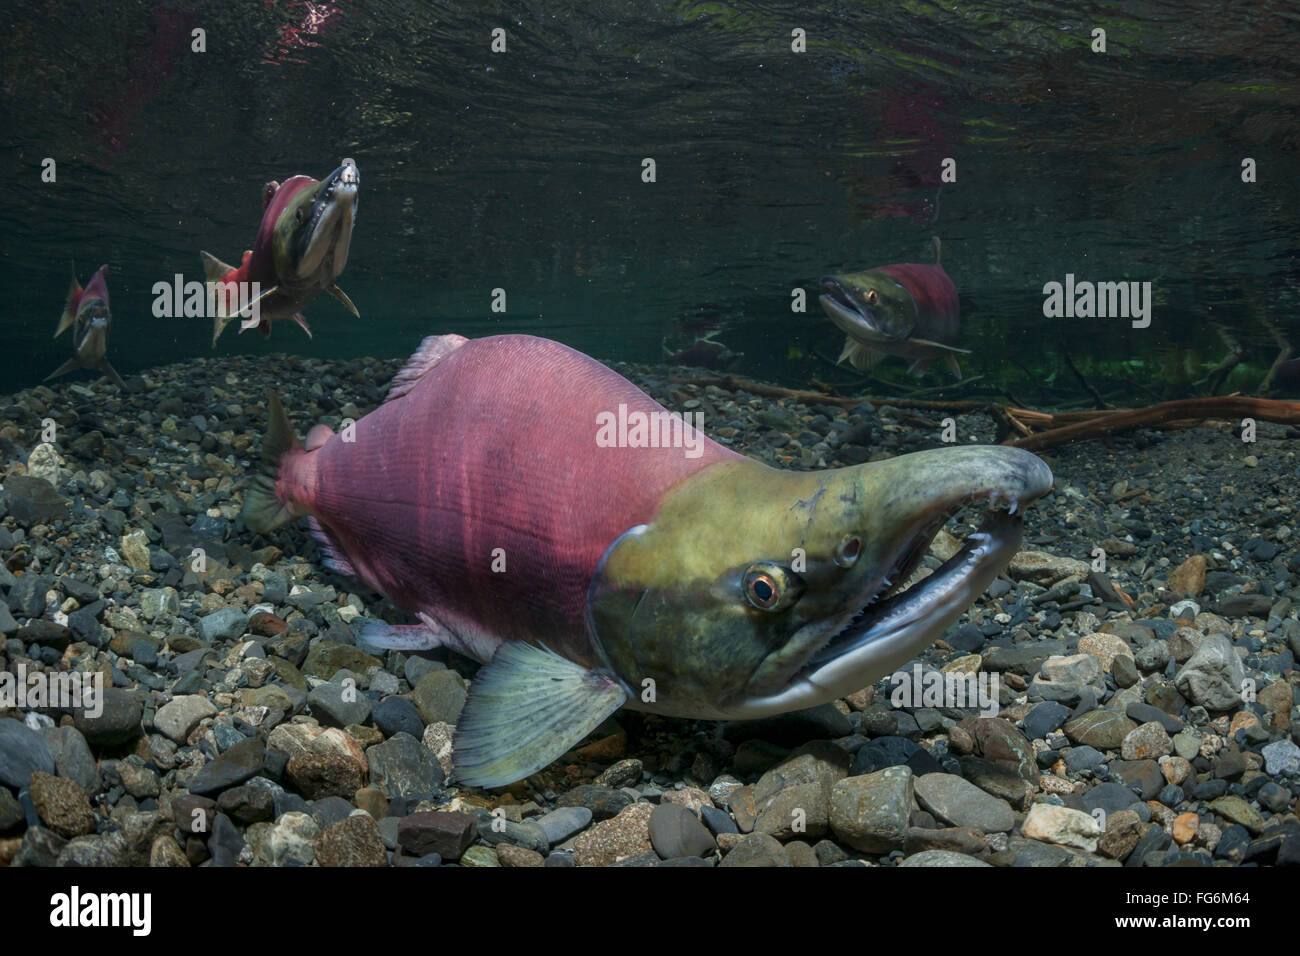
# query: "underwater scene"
[[662, 434]]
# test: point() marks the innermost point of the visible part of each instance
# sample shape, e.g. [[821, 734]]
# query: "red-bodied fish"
[[301, 248], [907, 310], [540, 513], [87, 311]]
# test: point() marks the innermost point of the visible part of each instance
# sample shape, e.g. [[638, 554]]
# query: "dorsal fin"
[[432, 350]]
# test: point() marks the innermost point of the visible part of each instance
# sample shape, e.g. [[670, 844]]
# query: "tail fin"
[[263, 510], [69, 306]]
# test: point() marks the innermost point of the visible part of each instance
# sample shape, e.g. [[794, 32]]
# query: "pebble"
[[1061, 825], [352, 842], [756, 849], [1212, 676], [181, 715], [394, 715], [239, 763], [449, 834], [958, 802], [118, 721], [871, 812], [339, 704], [225, 624], [1102, 729], [563, 823], [944, 858], [677, 832], [403, 767], [22, 752], [617, 838], [1281, 758], [439, 697], [61, 805]]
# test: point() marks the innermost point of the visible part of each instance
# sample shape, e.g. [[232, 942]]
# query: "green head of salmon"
[[756, 591]]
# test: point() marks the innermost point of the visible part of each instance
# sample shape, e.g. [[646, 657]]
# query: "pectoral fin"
[[860, 356], [526, 708], [255, 320], [343, 297]]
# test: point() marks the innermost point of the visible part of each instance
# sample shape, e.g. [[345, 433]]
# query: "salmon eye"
[[761, 590], [846, 555], [872, 297], [297, 216], [769, 586]]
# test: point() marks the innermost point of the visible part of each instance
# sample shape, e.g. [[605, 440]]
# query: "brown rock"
[[354, 841], [616, 838], [62, 804], [1123, 830], [167, 852], [1184, 828], [325, 775], [447, 833], [511, 855], [1188, 579]]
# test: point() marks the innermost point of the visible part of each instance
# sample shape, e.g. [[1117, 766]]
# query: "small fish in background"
[[703, 353], [86, 311], [906, 310], [301, 248]]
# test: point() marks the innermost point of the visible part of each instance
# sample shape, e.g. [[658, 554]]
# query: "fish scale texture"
[[494, 447], [937, 305]]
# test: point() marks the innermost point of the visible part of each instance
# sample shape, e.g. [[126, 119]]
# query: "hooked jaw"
[[891, 622], [851, 315], [331, 217]]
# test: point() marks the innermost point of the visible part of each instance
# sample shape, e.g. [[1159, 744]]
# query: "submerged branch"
[[1053, 428]]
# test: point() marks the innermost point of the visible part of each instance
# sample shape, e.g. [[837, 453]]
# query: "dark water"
[[522, 170]]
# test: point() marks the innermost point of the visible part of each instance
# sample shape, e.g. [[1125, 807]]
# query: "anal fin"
[[526, 708], [378, 635], [332, 556]]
